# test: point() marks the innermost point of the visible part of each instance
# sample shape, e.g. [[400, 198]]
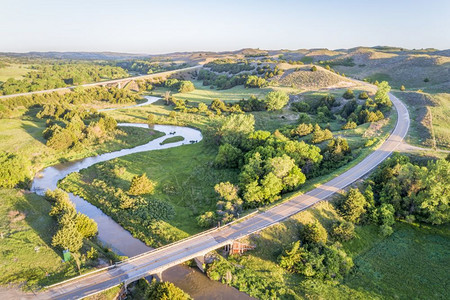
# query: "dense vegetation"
[[44, 77], [337, 252], [155, 290]]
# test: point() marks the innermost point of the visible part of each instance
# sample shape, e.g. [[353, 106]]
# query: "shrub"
[[426, 80], [313, 69], [348, 94], [141, 185], [228, 156], [343, 231], [86, 226], [302, 130], [353, 206], [255, 82], [402, 88], [276, 100], [320, 135], [349, 125], [207, 220], [186, 86], [363, 96], [14, 169], [314, 233]]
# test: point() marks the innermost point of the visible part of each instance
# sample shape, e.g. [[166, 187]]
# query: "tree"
[[234, 128], [141, 185], [402, 88], [382, 95], [228, 156], [320, 135], [86, 226], [151, 119], [349, 125], [343, 231], [254, 81], [313, 69], [314, 233], [302, 130], [353, 206], [363, 96], [436, 196], [14, 169], [68, 237], [207, 220], [186, 86], [276, 100], [165, 291], [348, 94]]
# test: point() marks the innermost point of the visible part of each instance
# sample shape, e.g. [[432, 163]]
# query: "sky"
[[152, 27]]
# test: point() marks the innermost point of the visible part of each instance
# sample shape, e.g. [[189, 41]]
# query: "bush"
[[186, 86], [426, 80], [228, 156], [207, 220], [348, 94], [363, 96], [86, 226], [255, 82], [402, 88], [276, 100], [353, 206], [141, 185], [302, 130], [313, 69], [343, 231], [68, 237], [14, 169], [314, 233], [320, 135], [349, 125]]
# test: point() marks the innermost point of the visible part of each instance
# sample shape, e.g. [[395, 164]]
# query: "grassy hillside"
[[304, 78]]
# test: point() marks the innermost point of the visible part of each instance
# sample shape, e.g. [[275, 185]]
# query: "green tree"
[[382, 95], [348, 94], [363, 96], [141, 185], [186, 86], [14, 169], [313, 68], [165, 291], [276, 100], [314, 233], [228, 156], [68, 237], [207, 220], [343, 231], [353, 206], [320, 135], [86, 226]]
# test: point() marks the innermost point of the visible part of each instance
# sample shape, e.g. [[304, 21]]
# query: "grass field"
[[15, 71], [206, 95], [184, 178], [441, 120]]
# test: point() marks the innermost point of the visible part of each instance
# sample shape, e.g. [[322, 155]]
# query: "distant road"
[[158, 260], [102, 83]]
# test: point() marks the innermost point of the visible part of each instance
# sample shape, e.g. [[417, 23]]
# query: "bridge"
[[120, 83], [160, 259]]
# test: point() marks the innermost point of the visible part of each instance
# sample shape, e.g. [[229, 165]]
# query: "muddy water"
[[120, 240]]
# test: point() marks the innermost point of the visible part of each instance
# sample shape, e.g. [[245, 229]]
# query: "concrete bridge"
[[120, 83]]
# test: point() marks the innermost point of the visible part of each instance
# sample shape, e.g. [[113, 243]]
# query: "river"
[[120, 240]]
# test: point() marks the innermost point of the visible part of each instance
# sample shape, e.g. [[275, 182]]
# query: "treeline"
[[149, 67], [229, 65], [76, 96], [270, 164], [60, 75], [221, 82]]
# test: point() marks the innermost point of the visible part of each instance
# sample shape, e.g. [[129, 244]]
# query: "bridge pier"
[[158, 276], [200, 262]]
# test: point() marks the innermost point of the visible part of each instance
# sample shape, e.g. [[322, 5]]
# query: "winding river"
[[112, 234]]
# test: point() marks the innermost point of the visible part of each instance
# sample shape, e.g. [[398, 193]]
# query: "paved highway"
[[102, 83], [162, 258]]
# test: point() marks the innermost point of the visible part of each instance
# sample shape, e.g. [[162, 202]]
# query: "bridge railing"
[[203, 233]]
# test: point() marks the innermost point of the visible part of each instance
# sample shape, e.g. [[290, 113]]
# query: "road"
[[158, 260], [101, 83]]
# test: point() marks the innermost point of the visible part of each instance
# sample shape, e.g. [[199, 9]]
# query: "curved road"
[[158, 260]]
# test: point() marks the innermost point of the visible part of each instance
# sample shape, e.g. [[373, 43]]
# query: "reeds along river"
[[120, 240]]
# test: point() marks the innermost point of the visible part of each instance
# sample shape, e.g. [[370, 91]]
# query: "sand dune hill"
[[306, 79]]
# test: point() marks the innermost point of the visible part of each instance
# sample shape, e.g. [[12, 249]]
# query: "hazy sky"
[[166, 26]]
